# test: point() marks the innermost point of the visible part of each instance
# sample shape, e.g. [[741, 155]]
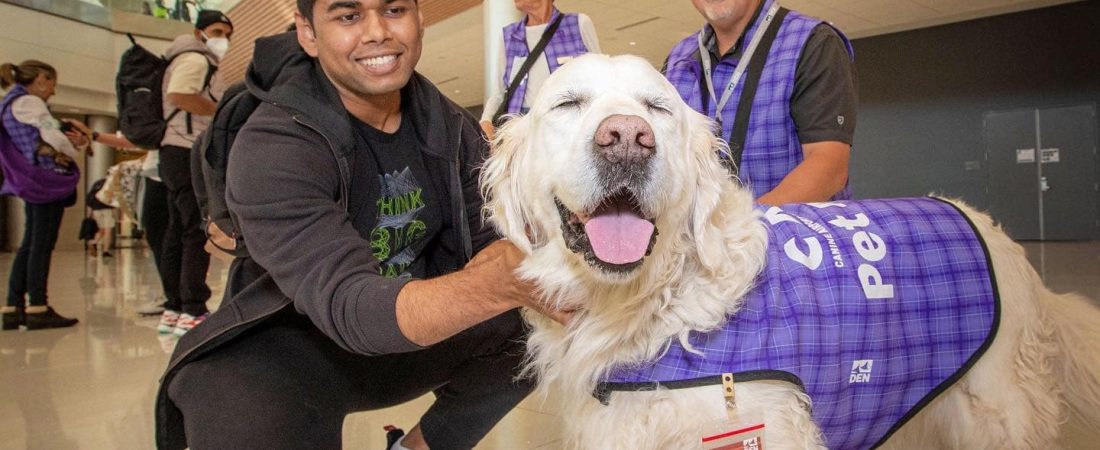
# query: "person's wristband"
[[95, 136]]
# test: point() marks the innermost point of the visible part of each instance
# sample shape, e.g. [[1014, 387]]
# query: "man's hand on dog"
[[503, 258]]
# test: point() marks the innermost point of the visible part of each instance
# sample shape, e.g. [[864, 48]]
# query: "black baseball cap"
[[209, 17]]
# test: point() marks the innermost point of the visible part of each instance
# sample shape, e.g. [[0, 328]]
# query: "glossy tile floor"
[[92, 386]]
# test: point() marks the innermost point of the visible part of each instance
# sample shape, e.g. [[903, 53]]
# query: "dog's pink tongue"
[[618, 235]]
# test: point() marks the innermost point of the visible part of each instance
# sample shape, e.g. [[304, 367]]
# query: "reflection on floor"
[[92, 386]]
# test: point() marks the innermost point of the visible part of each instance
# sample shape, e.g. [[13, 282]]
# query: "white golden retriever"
[[611, 186]]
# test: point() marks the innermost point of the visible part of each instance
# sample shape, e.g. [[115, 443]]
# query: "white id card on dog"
[[739, 436], [742, 429]]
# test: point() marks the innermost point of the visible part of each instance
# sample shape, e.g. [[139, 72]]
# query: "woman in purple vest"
[[802, 117], [575, 36], [38, 163]]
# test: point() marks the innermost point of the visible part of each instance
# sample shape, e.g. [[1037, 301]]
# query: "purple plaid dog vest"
[[27, 175], [566, 42], [873, 308], [772, 148]]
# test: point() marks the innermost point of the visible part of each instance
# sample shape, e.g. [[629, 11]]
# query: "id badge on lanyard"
[[742, 65]]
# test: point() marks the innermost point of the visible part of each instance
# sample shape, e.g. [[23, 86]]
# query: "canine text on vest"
[[899, 323]]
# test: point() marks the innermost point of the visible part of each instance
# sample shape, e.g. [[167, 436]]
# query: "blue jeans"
[[31, 267]]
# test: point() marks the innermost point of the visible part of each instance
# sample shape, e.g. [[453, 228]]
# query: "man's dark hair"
[[305, 8]]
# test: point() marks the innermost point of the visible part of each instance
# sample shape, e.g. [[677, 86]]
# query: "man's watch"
[[95, 136]]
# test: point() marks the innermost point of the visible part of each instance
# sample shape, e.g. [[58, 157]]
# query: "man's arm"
[[424, 314], [429, 311], [283, 187], [194, 103], [819, 176], [116, 140], [185, 87], [823, 107]]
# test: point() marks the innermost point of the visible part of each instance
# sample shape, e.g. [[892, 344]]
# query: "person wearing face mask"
[[38, 164], [192, 88]]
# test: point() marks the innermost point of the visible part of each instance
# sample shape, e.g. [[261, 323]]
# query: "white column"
[[104, 156], [496, 15]]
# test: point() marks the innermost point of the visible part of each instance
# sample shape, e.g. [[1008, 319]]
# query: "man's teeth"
[[378, 61]]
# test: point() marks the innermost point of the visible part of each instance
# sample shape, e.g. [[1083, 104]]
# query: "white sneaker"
[[187, 322], [168, 321]]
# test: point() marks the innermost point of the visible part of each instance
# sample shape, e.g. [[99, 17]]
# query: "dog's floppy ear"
[[506, 202], [713, 187]]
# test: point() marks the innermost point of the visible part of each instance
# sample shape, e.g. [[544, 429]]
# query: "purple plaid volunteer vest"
[[872, 307], [772, 148], [31, 177], [565, 42]]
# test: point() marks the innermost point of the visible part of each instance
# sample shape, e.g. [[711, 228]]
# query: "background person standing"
[[192, 88], [574, 36], [39, 167]]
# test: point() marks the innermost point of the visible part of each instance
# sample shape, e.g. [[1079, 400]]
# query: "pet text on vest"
[[868, 245]]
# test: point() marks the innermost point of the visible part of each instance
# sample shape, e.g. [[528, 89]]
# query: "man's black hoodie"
[[287, 187]]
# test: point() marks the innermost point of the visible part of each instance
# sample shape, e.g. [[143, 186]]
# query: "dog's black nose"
[[625, 139]]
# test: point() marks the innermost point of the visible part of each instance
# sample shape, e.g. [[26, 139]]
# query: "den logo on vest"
[[861, 371]]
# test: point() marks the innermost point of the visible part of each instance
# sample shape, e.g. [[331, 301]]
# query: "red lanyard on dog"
[[742, 65]]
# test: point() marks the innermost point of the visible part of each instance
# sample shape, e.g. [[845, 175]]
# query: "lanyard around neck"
[[742, 65]]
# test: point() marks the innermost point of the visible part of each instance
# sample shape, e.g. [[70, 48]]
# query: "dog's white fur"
[[1045, 359]]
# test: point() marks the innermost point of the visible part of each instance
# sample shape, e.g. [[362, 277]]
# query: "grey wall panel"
[[923, 94]]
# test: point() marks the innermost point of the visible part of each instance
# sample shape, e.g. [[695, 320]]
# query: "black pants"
[[154, 220], [31, 268], [285, 385], [184, 261]]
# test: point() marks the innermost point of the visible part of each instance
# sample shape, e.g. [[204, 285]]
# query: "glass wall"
[[98, 12], [87, 11], [184, 10]]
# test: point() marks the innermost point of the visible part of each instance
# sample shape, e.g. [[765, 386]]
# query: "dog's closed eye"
[[570, 99], [658, 104]]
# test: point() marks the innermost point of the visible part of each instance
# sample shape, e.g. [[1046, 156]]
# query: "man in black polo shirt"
[[782, 87]]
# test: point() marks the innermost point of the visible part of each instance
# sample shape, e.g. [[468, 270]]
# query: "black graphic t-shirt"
[[406, 211]]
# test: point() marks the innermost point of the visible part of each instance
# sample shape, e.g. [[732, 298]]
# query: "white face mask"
[[218, 46]]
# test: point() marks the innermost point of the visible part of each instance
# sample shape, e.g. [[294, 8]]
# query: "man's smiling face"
[[368, 48]]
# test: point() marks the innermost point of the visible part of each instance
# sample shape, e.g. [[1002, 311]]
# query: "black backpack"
[[211, 153], [140, 100], [91, 201]]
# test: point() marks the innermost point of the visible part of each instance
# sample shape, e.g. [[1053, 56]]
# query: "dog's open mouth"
[[615, 236]]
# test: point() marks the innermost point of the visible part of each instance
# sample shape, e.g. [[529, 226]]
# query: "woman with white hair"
[[553, 38]]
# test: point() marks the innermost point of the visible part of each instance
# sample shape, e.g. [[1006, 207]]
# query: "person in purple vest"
[[790, 78], [38, 163], [574, 36]]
